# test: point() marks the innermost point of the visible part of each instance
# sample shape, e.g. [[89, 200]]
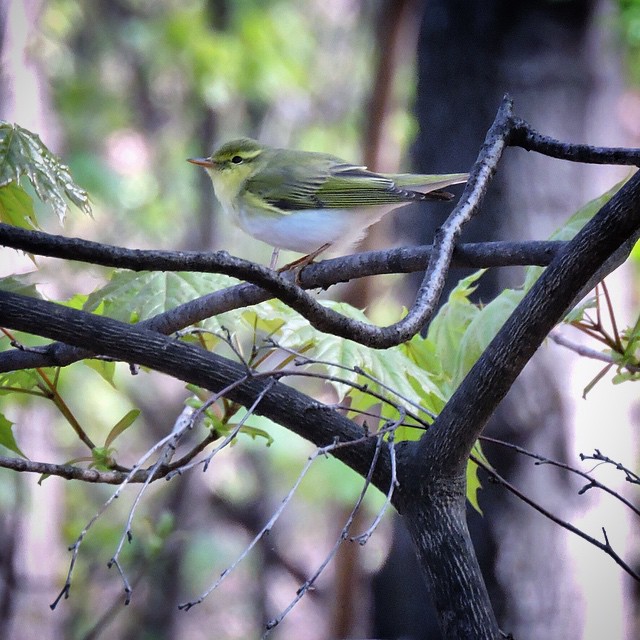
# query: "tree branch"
[[327, 320], [464, 416], [316, 275], [525, 136], [301, 414], [432, 481], [321, 275]]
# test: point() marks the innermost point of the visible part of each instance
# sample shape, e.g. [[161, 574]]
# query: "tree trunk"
[[548, 56]]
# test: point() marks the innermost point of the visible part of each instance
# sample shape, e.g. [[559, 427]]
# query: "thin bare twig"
[[363, 538], [630, 476], [581, 350], [308, 584], [603, 546], [592, 483], [171, 438]]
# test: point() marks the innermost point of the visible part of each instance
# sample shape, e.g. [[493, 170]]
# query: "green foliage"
[[131, 297], [16, 207], [22, 153], [417, 377], [104, 368], [6, 436], [391, 374], [629, 27], [447, 331], [473, 479], [22, 380], [22, 283], [405, 386], [121, 426], [570, 228]]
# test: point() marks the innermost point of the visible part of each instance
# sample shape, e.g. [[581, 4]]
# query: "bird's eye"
[[236, 159]]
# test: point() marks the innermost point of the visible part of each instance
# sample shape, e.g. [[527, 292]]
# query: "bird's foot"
[[299, 264]]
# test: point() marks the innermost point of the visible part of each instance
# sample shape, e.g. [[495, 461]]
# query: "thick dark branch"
[[526, 137], [436, 519], [457, 427], [317, 275], [321, 275], [301, 414], [432, 482], [327, 320]]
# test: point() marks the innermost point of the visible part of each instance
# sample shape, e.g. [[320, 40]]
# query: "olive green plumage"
[[300, 200]]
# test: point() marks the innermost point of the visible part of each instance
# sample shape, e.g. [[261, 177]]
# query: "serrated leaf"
[[267, 318], [447, 330], [22, 153], [7, 438], [121, 426], [391, 373], [76, 301], [137, 296], [26, 379], [482, 329], [16, 207]]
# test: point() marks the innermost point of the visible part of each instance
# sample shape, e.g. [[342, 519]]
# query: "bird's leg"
[[301, 263], [274, 258]]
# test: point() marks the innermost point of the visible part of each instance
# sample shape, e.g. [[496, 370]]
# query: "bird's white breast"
[[306, 230]]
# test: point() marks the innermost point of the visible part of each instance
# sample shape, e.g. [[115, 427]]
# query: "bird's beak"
[[203, 162]]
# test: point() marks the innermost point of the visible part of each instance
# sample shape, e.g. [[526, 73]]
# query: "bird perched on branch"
[[306, 201]]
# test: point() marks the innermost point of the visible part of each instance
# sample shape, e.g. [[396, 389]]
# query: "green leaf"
[[137, 296], [76, 301], [6, 437], [568, 230], [622, 376], [16, 206], [254, 433], [482, 329], [102, 458], [22, 153], [22, 283], [106, 369], [391, 372], [577, 313], [26, 379], [447, 331], [122, 425], [473, 480]]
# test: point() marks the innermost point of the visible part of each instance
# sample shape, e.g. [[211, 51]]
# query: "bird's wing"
[[355, 186], [427, 183], [291, 185], [321, 181]]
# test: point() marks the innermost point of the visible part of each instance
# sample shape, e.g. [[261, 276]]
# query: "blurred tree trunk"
[[548, 56]]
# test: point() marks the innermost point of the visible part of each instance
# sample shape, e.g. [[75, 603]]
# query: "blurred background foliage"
[[128, 90]]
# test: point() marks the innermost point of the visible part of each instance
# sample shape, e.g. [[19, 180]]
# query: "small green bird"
[[306, 201]]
